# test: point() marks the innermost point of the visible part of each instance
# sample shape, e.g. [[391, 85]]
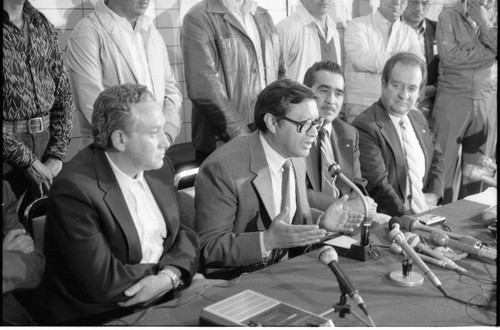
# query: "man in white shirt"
[[307, 36], [118, 44], [251, 201], [369, 42], [113, 235], [399, 156]]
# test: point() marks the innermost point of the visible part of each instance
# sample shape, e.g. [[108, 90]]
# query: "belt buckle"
[[32, 123]]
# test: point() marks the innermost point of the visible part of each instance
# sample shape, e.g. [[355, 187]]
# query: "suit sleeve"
[[435, 178], [216, 204], [375, 171]]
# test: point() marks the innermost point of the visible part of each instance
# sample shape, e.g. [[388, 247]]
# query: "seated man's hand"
[[147, 289], [18, 240], [338, 219], [281, 234], [431, 200]]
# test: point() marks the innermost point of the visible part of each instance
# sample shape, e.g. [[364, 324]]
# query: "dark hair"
[[276, 99], [405, 59], [329, 66], [113, 111]]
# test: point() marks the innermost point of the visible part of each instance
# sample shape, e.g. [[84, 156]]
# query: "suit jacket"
[[233, 199], [91, 243], [345, 145], [431, 58], [383, 163]]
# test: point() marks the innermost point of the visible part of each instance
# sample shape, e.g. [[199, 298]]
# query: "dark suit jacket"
[[431, 58], [233, 196], [383, 163], [345, 145], [91, 244]]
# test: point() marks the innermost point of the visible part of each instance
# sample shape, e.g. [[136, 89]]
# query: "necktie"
[[278, 254], [416, 197], [326, 155], [285, 190]]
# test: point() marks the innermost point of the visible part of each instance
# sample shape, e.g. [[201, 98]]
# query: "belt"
[[31, 126]]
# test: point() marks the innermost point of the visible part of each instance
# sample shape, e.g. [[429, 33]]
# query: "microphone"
[[481, 252], [415, 242], [476, 173], [411, 224], [487, 162], [334, 170], [446, 265], [329, 257], [397, 236]]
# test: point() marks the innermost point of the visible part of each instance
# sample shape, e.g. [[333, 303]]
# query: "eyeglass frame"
[[318, 122]]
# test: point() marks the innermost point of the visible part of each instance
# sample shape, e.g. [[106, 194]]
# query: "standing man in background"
[[307, 36], [118, 44], [231, 52], [37, 101], [369, 42], [465, 111]]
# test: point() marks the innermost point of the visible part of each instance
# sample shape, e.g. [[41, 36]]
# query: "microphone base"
[[358, 252], [414, 279]]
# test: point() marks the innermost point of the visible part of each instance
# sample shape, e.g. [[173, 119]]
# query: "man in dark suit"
[[326, 79], [414, 16], [251, 204], [391, 133], [113, 236]]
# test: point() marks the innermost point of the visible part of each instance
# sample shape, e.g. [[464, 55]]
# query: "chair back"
[[184, 184], [34, 218]]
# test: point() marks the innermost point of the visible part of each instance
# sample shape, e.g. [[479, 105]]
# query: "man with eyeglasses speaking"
[[251, 202]]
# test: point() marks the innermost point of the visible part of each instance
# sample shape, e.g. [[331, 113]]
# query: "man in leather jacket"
[[231, 52]]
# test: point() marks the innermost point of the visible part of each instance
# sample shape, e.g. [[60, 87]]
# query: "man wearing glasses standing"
[[251, 201]]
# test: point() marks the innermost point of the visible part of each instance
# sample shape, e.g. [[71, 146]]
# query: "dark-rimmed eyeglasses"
[[306, 125]]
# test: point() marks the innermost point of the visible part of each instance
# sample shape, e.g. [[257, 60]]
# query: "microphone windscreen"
[[393, 221], [407, 222], [412, 239], [328, 254], [396, 248]]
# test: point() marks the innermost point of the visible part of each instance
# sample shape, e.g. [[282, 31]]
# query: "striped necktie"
[[416, 196]]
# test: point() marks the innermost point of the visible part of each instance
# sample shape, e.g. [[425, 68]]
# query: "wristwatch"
[[173, 277]]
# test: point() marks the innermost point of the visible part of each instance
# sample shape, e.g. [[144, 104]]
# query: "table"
[[306, 283]]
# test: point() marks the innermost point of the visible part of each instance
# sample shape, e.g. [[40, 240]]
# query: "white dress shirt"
[[275, 163], [145, 213]]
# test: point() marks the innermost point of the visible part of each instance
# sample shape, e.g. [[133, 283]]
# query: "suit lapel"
[[113, 197], [163, 195], [391, 137], [262, 180]]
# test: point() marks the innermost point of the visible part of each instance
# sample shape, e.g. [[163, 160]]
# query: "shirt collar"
[[420, 29], [395, 119], [305, 18], [123, 179], [249, 6], [328, 128], [274, 159]]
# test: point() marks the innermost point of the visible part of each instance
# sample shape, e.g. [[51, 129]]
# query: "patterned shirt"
[[34, 84]]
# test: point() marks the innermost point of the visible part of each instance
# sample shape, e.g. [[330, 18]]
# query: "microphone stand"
[[362, 251], [342, 307]]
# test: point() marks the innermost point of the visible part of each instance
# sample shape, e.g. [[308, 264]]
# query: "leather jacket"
[[221, 69]]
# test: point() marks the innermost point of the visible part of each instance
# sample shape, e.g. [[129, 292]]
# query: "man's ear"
[[271, 122], [118, 140]]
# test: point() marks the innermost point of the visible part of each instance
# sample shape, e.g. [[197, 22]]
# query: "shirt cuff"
[[265, 254]]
